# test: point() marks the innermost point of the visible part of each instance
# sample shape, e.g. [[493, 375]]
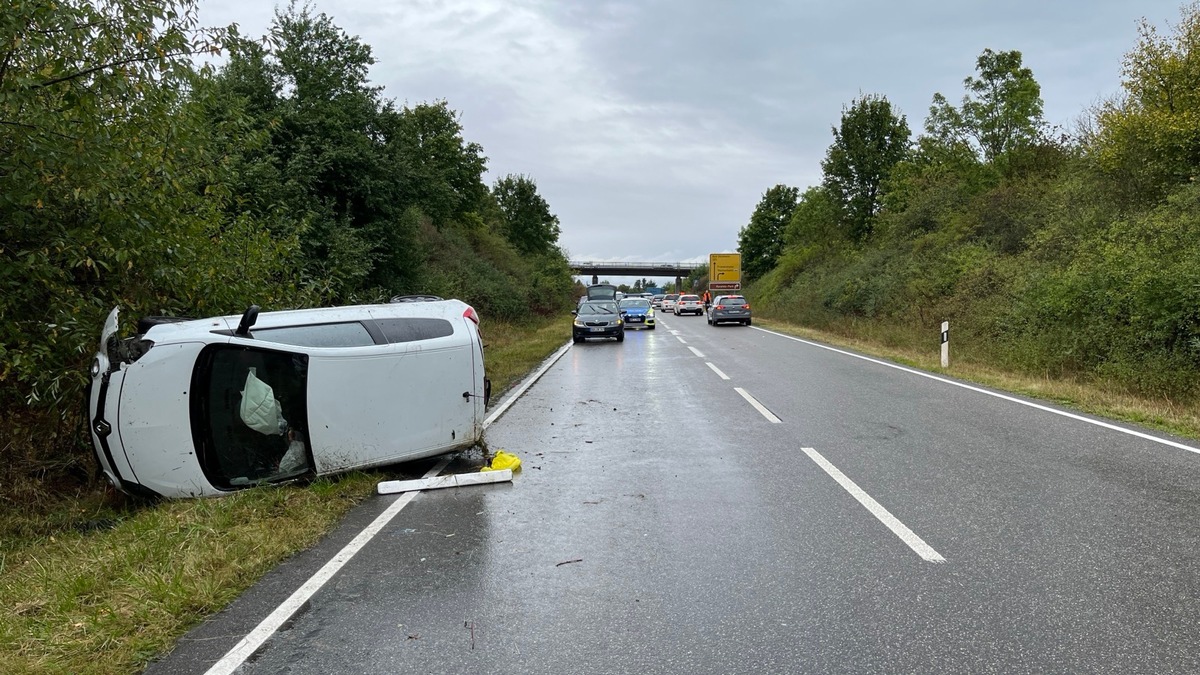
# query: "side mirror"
[[574, 312], [248, 320]]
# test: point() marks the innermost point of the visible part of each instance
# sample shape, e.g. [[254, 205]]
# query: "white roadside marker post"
[[448, 481], [945, 344]]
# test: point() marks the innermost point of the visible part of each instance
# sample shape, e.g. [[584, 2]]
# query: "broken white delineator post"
[[389, 487], [945, 344]]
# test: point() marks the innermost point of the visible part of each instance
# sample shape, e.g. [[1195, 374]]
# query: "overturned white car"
[[190, 408]]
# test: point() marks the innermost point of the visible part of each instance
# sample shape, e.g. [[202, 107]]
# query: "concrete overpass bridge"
[[634, 269]]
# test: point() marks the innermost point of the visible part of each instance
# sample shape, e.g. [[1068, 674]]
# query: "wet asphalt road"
[[662, 523]]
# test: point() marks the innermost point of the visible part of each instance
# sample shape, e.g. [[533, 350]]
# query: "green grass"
[[1091, 397], [93, 583], [512, 350]]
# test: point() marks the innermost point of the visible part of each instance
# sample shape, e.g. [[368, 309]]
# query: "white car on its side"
[[190, 408]]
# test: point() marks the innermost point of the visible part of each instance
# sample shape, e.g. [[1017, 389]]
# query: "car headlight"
[[620, 322], [96, 367], [579, 323]]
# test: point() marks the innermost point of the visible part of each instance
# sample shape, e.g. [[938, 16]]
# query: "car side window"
[[413, 329], [348, 334]]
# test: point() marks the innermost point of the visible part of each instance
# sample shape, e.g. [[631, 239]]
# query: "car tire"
[[651, 327], [621, 336], [576, 339], [748, 321]]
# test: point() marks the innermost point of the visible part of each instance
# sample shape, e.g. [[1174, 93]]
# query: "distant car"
[[203, 407], [656, 301], [729, 309], [637, 313], [598, 319], [668, 302], [688, 304]]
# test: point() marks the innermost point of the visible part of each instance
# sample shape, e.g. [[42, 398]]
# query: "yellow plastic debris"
[[504, 460]]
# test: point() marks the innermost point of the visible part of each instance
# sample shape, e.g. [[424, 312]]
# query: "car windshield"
[[598, 308], [670, 297], [731, 300], [689, 298], [635, 303]]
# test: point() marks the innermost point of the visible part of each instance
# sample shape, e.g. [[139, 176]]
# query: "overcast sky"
[[653, 127]]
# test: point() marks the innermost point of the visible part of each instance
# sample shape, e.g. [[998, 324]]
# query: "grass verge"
[[1089, 397], [98, 584]]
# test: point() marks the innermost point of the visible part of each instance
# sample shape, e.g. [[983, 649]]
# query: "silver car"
[[729, 309]]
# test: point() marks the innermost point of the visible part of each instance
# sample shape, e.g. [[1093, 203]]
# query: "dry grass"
[[96, 584], [512, 350], [1090, 397]]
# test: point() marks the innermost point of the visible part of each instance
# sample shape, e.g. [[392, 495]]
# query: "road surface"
[[728, 500]]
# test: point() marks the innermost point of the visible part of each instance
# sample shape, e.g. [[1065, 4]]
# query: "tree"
[[869, 142], [1149, 140], [814, 221], [1001, 111], [528, 222], [761, 241], [102, 165]]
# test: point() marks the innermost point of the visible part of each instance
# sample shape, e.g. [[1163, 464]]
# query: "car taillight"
[[469, 313], [745, 306], [719, 307]]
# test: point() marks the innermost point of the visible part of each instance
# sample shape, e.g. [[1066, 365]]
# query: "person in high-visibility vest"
[[707, 300]]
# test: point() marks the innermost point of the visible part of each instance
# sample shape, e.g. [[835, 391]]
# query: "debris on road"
[[504, 460], [568, 562], [453, 480]]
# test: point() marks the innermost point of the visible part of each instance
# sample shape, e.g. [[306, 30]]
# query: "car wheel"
[[748, 322], [651, 327], [621, 336], [576, 339]]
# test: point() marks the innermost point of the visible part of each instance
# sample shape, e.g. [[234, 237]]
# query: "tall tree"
[[761, 241], [528, 222], [1149, 140], [871, 139], [1001, 110]]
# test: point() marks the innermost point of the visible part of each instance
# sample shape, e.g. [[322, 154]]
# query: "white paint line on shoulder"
[[1013, 399], [898, 528], [716, 370], [758, 406], [526, 384], [696, 352], [245, 648]]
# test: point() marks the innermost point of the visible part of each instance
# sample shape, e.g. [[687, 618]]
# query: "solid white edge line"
[[527, 383], [716, 370], [758, 406], [246, 647], [980, 390], [255, 639], [696, 352], [898, 528]]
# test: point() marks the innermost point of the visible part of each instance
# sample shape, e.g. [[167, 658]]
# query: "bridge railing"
[[580, 264]]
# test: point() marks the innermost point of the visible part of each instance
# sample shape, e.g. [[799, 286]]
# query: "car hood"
[[636, 312]]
